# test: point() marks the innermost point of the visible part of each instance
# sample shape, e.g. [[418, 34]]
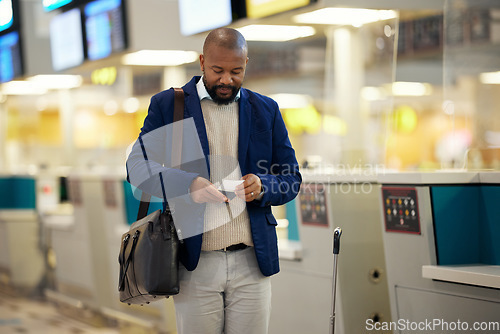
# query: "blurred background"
[[365, 87], [410, 86]]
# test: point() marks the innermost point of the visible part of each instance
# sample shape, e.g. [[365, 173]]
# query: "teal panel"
[[293, 225], [17, 193], [489, 209], [132, 204], [456, 224]]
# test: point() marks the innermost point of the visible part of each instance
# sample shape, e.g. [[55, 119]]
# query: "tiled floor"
[[23, 315]]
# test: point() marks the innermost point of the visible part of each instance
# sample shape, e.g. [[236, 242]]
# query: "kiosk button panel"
[[401, 210]]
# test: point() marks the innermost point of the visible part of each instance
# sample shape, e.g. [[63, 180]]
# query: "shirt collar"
[[203, 94]]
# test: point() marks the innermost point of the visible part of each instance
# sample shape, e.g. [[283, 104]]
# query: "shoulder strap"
[[176, 147], [178, 104], [177, 127]]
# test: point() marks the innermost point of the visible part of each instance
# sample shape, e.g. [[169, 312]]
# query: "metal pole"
[[336, 249]]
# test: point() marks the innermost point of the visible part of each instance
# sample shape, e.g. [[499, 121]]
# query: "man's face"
[[223, 72]]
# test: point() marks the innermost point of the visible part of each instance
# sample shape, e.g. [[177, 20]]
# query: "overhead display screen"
[[6, 14], [104, 28], [262, 8], [10, 57], [49, 5], [66, 40], [198, 16]]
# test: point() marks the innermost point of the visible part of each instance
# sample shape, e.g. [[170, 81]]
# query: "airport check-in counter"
[[302, 291], [86, 244], [441, 236], [22, 264]]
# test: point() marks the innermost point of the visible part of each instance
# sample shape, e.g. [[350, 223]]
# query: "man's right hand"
[[203, 191]]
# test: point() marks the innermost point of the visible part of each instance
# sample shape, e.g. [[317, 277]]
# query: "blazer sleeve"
[[281, 178], [149, 162]]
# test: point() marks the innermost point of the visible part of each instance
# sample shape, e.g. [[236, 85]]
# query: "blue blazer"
[[263, 149]]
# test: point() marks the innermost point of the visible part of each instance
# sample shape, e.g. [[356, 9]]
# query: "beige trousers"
[[226, 293]]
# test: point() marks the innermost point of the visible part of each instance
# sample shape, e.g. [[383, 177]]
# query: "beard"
[[212, 91]]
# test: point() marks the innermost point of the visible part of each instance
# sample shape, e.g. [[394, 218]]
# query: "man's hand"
[[250, 189], [203, 191]]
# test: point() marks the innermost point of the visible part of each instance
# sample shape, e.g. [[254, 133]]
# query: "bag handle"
[[135, 237], [177, 132]]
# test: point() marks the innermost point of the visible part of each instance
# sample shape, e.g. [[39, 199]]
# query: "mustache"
[[224, 86]]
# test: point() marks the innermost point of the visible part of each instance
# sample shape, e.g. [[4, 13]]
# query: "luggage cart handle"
[[336, 240], [336, 249]]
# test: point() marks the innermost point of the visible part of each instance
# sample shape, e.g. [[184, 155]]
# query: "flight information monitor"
[[105, 28], [199, 16], [66, 40], [10, 57], [49, 5], [262, 8], [7, 16]]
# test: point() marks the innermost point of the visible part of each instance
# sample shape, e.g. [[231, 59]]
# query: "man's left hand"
[[250, 189]]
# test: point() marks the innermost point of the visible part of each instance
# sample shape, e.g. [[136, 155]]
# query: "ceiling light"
[[160, 58], [372, 93], [345, 16], [334, 125], [291, 101], [110, 107], [22, 88], [411, 89], [275, 33], [131, 105], [492, 78], [57, 81]]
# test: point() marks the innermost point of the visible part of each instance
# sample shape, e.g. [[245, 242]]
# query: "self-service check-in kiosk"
[[302, 291], [22, 264], [86, 244], [441, 235]]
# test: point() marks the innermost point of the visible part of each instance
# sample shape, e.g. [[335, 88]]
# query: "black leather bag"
[[149, 261], [149, 252]]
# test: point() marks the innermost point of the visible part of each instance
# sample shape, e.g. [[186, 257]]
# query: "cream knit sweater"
[[225, 224]]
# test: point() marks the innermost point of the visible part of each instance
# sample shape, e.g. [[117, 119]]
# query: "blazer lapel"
[[193, 109], [245, 122]]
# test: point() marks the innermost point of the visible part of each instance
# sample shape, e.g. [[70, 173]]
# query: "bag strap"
[[177, 132]]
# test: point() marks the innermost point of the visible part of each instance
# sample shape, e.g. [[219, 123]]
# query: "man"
[[224, 278]]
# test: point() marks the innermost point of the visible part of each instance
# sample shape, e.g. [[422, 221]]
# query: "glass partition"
[[333, 88], [471, 85]]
